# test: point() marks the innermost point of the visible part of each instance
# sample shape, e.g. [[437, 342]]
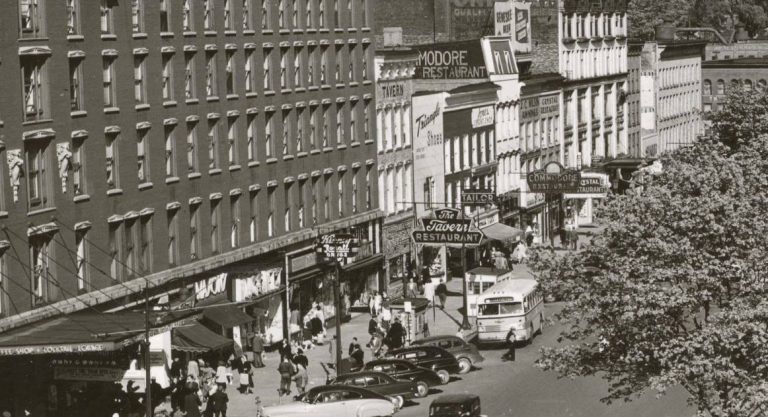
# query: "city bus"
[[480, 279], [515, 303]]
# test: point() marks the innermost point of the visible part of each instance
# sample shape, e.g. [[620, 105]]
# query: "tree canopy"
[[673, 291], [721, 15]]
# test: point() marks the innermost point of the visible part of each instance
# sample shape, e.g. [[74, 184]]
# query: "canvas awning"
[[227, 316], [197, 338], [501, 232]]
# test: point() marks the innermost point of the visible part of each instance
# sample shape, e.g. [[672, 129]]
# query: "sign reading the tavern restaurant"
[[447, 228], [477, 196], [337, 246], [554, 178]]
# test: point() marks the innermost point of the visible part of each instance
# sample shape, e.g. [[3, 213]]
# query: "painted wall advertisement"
[[428, 168], [513, 18], [450, 61], [539, 107], [397, 238], [393, 92], [470, 19]]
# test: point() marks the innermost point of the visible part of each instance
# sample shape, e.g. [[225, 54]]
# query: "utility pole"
[[337, 304], [147, 360]]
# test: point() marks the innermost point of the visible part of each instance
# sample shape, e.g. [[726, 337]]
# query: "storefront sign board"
[[57, 348], [337, 246], [553, 178], [428, 166], [482, 116], [591, 185], [84, 373], [539, 107], [450, 61], [393, 92], [210, 287], [258, 284], [447, 228], [477, 197]]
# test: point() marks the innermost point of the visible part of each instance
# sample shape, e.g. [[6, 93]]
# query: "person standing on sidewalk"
[[257, 347], [286, 371], [218, 402], [301, 378], [285, 350], [510, 354], [300, 359], [442, 293], [373, 327], [372, 304], [377, 300], [386, 318]]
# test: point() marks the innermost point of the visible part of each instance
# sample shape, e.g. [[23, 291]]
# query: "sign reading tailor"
[[482, 116], [446, 228], [337, 246], [450, 61], [477, 197], [554, 178]]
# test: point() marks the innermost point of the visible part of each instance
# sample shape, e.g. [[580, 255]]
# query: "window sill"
[[233, 168], [269, 92], [352, 30], [232, 96], [209, 32], [249, 32], [108, 37], [311, 30], [312, 88], [193, 175], [327, 149], [142, 106], [140, 35], [271, 160], [115, 191], [215, 171], [192, 101], [81, 198], [253, 164], [145, 186], [366, 29], [353, 83], [298, 31], [170, 103], [287, 157], [286, 91], [354, 144], [325, 87], [341, 147], [172, 180], [3, 214], [267, 32], [190, 33], [166, 34], [41, 211], [301, 154], [110, 110], [212, 98], [369, 142], [230, 32], [314, 151], [338, 30], [75, 37], [299, 90], [285, 31], [251, 94], [324, 30], [367, 82], [78, 113], [340, 85]]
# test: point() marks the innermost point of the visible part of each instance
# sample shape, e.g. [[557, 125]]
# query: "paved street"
[[506, 388]]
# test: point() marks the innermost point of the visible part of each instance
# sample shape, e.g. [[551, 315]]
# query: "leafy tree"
[[645, 15], [673, 291], [725, 14], [742, 118]]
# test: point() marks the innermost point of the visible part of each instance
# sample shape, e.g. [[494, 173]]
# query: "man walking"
[[510, 354], [286, 373], [442, 293], [257, 347], [373, 327], [218, 401]]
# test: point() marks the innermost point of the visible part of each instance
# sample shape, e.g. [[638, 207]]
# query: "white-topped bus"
[[515, 303]]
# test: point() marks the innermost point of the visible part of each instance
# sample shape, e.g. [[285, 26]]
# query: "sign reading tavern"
[[447, 228], [554, 178]]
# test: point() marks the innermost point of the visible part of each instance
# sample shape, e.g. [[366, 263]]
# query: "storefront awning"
[[197, 338], [369, 261], [501, 232], [86, 332], [227, 316]]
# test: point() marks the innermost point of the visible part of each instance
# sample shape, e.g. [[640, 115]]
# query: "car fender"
[[375, 409]]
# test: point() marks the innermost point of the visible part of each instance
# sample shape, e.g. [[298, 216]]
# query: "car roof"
[[333, 387], [363, 373], [414, 348], [454, 398], [437, 337], [388, 360]]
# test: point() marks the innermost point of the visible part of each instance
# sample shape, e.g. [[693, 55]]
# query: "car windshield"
[[445, 409], [496, 309]]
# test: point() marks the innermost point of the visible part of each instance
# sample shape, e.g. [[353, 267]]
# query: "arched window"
[[762, 85], [735, 84], [748, 85], [720, 87], [707, 88]]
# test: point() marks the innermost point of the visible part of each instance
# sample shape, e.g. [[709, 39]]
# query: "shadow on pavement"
[[433, 391], [453, 378]]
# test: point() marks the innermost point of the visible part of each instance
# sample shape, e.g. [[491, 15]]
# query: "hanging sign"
[[337, 246], [447, 228], [477, 196], [554, 178]]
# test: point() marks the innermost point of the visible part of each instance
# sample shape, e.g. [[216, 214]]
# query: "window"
[[246, 11], [213, 144], [313, 127], [230, 72], [310, 58], [208, 18], [707, 87], [189, 76], [250, 74], [351, 55], [172, 217], [366, 122], [286, 133], [367, 188], [228, 18], [321, 13], [340, 191], [194, 227], [281, 14], [108, 81], [271, 212], [350, 13], [232, 140], [73, 17], [115, 244], [266, 15], [340, 139], [315, 190], [139, 77], [761, 85], [268, 143], [215, 219], [339, 62], [267, 68], [364, 69], [142, 155], [297, 64], [234, 217], [283, 69], [287, 221], [748, 85], [323, 65], [295, 14], [302, 197], [145, 243], [76, 85], [107, 25], [250, 133], [42, 273], [364, 13], [300, 123], [38, 187], [192, 147], [325, 126], [78, 166], [165, 17], [354, 193], [429, 188], [735, 84], [31, 16], [187, 19], [327, 199], [137, 16], [111, 160], [170, 151], [35, 87], [720, 87], [210, 74], [308, 13], [167, 77], [336, 22], [253, 226]]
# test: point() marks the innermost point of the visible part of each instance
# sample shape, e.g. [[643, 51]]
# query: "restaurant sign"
[[447, 228], [539, 107], [57, 348], [554, 178], [450, 61]]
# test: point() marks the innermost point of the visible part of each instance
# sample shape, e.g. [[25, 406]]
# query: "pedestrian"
[[286, 373], [177, 369], [157, 393], [442, 293], [358, 355], [193, 369], [221, 374], [425, 329], [192, 401], [246, 382], [510, 338], [235, 363], [285, 350], [377, 300], [352, 345], [300, 358], [373, 327], [412, 289], [386, 318], [394, 339], [301, 378], [257, 347], [217, 402], [372, 304]]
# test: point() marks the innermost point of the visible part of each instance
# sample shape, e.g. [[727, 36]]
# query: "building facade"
[[719, 76], [255, 136], [394, 88], [634, 108]]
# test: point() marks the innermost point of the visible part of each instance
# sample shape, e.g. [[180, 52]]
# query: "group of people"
[[384, 331], [292, 369]]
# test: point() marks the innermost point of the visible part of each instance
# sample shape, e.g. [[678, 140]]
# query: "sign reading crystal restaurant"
[[447, 228]]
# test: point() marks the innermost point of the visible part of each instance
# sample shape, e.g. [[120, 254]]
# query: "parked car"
[[335, 401], [401, 369], [456, 405], [466, 353], [430, 357], [396, 389]]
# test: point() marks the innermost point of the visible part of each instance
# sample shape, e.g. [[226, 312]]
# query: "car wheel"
[[422, 389], [397, 401], [444, 376], [465, 365]]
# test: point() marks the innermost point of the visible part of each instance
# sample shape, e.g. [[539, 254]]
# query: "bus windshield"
[[496, 309]]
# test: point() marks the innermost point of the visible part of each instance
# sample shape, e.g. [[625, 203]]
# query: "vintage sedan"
[[335, 401], [398, 390], [400, 369], [456, 405], [466, 353], [430, 357]]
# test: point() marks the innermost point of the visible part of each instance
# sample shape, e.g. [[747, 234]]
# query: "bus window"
[[489, 309], [501, 308]]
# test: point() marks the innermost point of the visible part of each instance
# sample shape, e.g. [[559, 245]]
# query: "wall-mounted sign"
[[447, 228], [476, 196], [393, 91], [257, 284], [397, 238], [211, 286], [63, 348], [591, 185], [482, 116], [85, 373], [554, 178], [470, 19], [337, 246], [428, 166], [451, 60], [513, 19], [539, 107]]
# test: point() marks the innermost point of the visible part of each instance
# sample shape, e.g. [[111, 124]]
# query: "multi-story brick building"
[[719, 76], [634, 67], [161, 144]]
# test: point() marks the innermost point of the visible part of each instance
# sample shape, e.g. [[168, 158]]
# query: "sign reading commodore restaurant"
[[447, 228], [554, 178], [450, 61]]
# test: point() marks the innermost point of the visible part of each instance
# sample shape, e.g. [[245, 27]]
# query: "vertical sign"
[[428, 166], [513, 19]]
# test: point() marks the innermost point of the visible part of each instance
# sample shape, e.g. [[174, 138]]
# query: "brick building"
[[718, 76], [178, 145]]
